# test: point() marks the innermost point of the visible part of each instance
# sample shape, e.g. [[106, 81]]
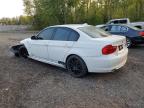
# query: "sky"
[[11, 8]]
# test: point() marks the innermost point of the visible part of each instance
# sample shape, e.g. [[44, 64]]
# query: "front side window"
[[94, 32], [46, 34], [61, 34], [115, 28]]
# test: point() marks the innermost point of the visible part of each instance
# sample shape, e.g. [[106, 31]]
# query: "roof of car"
[[119, 19], [75, 26]]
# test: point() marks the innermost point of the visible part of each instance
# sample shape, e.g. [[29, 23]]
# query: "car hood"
[[25, 40]]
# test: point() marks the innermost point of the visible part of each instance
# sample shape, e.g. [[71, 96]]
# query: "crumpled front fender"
[[15, 48]]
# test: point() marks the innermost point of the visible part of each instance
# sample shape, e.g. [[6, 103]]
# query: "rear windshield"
[[132, 27], [94, 32]]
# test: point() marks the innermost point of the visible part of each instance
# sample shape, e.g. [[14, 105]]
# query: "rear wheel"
[[128, 42], [23, 52], [76, 66]]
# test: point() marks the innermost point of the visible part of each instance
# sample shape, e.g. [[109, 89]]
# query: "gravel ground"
[[25, 83]]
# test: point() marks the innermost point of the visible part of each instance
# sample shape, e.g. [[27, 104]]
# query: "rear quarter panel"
[[86, 49]]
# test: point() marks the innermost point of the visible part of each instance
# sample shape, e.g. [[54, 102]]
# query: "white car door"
[[62, 42], [39, 47]]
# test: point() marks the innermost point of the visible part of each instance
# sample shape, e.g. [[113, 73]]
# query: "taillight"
[[141, 33], [109, 49]]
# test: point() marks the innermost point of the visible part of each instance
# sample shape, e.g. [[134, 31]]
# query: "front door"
[[39, 47]]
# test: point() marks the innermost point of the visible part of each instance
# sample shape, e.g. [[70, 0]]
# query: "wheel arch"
[[24, 47], [69, 55]]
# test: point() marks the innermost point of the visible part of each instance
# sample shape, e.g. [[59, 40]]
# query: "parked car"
[[119, 21], [127, 21], [133, 35], [79, 48]]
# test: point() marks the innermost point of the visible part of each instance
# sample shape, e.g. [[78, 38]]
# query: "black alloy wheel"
[[76, 66], [23, 52]]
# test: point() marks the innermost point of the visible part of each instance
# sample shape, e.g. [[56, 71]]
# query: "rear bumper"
[[107, 63]]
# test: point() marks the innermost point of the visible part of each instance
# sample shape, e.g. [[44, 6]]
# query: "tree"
[[51, 12]]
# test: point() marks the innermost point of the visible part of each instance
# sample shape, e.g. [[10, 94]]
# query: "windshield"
[[94, 32]]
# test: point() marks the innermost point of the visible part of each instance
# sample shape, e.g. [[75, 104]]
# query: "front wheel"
[[23, 52], [76, 66]]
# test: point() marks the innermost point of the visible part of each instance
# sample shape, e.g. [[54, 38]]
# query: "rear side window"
[[46, 34], [61, 34], [73, 36], [124, 29]]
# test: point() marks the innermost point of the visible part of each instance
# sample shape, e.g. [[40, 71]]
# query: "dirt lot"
[[14, 27], [25, 83]]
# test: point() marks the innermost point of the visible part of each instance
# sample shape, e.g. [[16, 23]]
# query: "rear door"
[[62, 42]]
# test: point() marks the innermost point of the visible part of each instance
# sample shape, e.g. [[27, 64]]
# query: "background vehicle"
[[133, 35], [139, 25], [119, 21], [79, 48]]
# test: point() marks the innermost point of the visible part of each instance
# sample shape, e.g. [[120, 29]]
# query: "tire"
[[16, 54], [23, 52], [128, 42], [76, 66]]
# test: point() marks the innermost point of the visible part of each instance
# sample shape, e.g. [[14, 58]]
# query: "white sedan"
[[80, 48]]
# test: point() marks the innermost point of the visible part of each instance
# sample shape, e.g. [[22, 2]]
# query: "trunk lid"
[[119, 41], [114, 40]]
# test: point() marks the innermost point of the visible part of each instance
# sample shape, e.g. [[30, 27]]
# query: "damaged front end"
[[15, 49]]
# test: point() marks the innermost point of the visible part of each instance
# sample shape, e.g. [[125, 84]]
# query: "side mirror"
[[33, 38], [36, 38]]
